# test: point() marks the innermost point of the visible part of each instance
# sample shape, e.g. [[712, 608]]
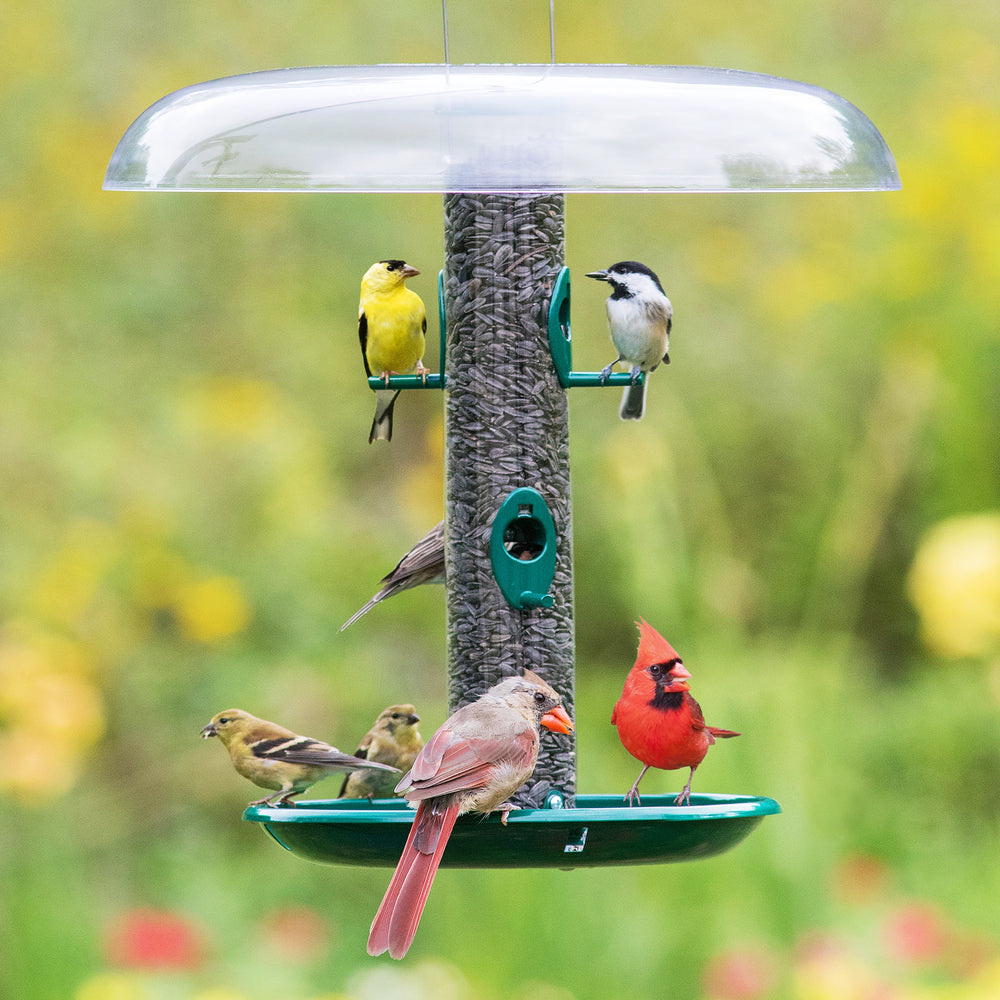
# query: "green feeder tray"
[[600, 831]]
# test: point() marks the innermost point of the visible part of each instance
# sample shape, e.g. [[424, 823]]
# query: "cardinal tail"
[[395, 924]]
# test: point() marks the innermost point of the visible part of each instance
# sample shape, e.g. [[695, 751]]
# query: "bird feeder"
[[503, 144]]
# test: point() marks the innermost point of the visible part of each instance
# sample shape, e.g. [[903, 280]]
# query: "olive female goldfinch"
[[276, 758], [395, 740], [392, 324]]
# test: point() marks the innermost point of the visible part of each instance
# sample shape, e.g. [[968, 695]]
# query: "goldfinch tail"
[[385, 400]]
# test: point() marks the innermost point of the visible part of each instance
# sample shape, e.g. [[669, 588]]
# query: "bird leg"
[[505, 809], [636, 370], [684, 799], [606, 370], [285, 800], [422, 371], [267, 800], [632, 796]]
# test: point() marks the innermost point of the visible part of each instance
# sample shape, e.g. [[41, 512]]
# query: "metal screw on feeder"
[[503, 144]]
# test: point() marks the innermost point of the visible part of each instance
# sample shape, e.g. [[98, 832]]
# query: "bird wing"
[[427, 554], [309, 752], [698, 721], [452, 763], [363, 337], [362, 754], [696, 714], [424, 563]]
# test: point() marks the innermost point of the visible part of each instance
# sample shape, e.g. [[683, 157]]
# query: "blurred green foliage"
[[189, 508]]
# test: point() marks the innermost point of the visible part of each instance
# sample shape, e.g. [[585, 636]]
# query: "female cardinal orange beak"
[[557, 720]]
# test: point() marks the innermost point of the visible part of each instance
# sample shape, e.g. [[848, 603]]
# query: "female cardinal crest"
[[658, 721]]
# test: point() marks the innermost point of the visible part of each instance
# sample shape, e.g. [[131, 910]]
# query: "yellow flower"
[[51, 714], [67, 587], [230, 406], [211, 609], [112, 986], [954, 583]]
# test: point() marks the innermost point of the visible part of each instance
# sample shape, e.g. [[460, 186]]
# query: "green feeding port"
[[523, 549], [601, 831], [561, 344]]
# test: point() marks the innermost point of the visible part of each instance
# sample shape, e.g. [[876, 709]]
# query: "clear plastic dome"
[[531, 128]]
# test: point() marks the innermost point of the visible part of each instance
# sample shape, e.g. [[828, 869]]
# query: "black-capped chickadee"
[[639, 318]]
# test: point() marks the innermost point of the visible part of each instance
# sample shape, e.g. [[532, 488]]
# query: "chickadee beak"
[[599, 275], [413, 718], [409, 271], [208, 731], [558, 720]]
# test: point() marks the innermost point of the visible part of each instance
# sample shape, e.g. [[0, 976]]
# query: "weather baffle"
[[504, 144], [530, 128]]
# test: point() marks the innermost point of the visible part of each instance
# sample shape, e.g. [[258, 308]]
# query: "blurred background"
[[810, 512]]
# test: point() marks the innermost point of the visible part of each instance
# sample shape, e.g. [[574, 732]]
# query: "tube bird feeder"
[[503, 145]]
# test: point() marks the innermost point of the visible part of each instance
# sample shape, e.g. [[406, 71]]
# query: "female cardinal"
[[658, 721], [481, 754]]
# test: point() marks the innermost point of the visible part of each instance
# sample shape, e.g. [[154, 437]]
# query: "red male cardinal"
[[482, 754], [658, 721]]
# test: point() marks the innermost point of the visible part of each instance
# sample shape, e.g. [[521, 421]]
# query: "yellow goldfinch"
[[424, 563], [274, 757], [395, 740], [392, 323]]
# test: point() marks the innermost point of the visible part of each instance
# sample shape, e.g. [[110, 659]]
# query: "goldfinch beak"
[[599, 275], [409, 271], [208, 731]]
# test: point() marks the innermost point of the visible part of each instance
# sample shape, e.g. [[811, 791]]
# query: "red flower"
[[740, 974], [154, 939], [916, 933]]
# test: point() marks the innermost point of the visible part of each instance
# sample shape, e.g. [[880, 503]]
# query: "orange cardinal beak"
[[557, 720], [679, 676]]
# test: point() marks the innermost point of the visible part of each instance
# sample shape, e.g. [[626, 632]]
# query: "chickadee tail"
[[385, 400], [634, 401]]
